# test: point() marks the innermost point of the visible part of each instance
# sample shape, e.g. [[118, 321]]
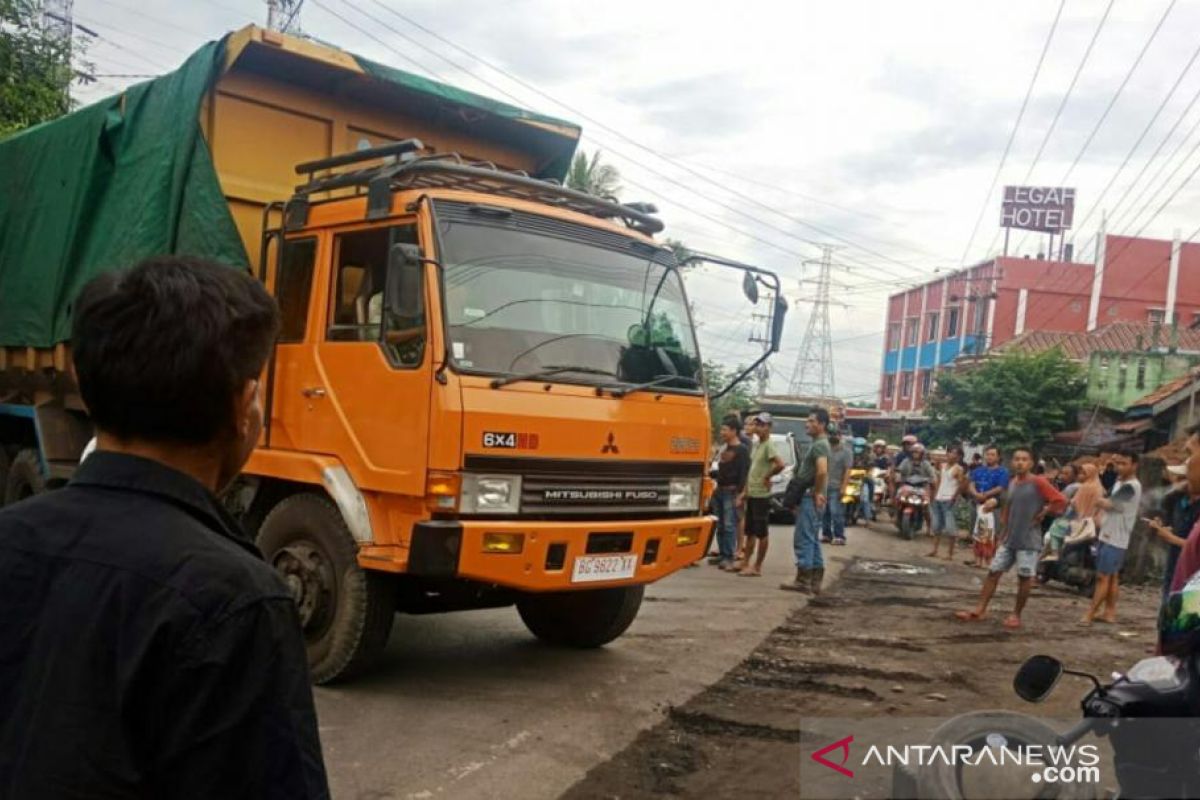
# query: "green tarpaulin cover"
[[131, 177], [103, 188]]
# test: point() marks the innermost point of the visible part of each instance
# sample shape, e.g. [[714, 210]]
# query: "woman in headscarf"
[[1085, 511]]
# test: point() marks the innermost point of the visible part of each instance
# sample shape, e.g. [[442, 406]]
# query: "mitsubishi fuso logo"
[[611, 445]]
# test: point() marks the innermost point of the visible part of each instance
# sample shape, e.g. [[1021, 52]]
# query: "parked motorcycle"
[[1143, 713], [852, 497], [1074, 566], [912, 498]]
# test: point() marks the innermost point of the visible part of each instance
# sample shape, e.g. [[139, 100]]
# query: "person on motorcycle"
[[1030, 497], [906, 445], [917, 465], [877, 459]]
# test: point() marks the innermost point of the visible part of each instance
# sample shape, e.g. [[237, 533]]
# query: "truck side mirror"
[[750, 287], [778, 315], [404, 295]]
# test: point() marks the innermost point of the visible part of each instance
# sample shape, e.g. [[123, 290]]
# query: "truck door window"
[[293, 286], [357, 305]]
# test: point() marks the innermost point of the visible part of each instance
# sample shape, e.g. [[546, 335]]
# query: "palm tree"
[[591, 176]]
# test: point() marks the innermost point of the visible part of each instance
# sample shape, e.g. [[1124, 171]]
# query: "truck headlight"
[[491, 494], [684, 494]]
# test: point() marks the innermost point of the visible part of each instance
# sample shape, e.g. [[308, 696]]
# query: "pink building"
[[972, 310]]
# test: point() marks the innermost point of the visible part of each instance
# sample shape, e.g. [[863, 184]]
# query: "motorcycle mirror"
[[1037, 677]]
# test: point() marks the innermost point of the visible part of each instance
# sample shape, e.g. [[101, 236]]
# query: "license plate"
[[603, 568]]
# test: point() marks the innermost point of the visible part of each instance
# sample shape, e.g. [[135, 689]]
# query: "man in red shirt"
[[1030, 497]]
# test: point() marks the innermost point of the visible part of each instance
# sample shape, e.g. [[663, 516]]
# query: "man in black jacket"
[[146, 650]]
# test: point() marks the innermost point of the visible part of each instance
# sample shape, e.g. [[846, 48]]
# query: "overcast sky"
[[762, 130]]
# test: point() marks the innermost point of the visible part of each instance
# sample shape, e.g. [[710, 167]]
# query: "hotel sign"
[[1049, 209]]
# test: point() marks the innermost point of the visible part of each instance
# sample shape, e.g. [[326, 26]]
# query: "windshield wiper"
[[546, 372], [657, 381]]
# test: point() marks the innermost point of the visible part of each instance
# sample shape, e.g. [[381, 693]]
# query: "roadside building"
[[970, 312]]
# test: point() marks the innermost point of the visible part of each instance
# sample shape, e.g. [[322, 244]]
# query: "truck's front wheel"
[[588, 618], [345, 611]]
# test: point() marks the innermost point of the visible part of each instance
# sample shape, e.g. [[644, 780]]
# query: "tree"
[[737, 400], [1013, 399], [591, 176], [35, 68]]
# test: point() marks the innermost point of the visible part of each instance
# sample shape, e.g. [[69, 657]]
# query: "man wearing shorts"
[[1121, 508], [1030, 498], [765, 463]]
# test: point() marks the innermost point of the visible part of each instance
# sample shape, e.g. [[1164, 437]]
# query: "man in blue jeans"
[[733, 466], [812, 478]]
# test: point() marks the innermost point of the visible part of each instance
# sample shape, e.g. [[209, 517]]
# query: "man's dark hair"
[[822, 415], [998, 451], [162, 350], [733, 422], [1019, 449], [1132, 455], [955, 448]]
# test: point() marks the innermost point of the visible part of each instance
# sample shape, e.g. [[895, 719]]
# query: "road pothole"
[[870, 567]]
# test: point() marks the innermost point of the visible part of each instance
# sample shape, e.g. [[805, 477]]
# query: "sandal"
[[968, 616], [1012, 622]]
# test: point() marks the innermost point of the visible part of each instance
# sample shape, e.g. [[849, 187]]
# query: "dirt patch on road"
[[882, 643]]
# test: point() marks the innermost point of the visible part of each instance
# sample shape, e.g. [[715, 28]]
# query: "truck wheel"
[[588, 618], [345, 611], [24, 478]]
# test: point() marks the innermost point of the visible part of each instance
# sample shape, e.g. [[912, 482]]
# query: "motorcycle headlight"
[[491, 494], [684, 494]]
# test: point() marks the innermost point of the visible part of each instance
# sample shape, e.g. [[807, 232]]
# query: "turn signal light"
[[687, 536], [442, 490], [503, 542]]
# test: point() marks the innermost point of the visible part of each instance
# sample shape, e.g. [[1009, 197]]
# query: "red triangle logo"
[[844, 746]]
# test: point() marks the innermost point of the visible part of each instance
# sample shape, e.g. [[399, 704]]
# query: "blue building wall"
[[924, 356]]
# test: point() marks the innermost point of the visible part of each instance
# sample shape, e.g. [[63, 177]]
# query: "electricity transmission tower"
[[284, 15], [813, 374]]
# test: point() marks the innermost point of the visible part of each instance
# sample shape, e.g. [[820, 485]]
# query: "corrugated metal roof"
[[1165, 392]]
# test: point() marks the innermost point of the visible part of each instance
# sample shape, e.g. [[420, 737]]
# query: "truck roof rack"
[[408, 170]]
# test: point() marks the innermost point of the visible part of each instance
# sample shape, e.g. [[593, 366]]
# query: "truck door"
[[363, 394]]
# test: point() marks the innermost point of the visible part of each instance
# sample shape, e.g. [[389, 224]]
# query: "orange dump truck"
[[487, 388]]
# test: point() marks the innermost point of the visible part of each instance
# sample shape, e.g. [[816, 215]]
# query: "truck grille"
[[558, 488]]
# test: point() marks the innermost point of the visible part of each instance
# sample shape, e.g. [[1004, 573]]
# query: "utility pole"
[[813, 373], [284, 15], [762, 375], [978, 298]]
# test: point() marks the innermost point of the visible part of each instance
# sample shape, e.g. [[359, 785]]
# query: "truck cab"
[[495, 381]]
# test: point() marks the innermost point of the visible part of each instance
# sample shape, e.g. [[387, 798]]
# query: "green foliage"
[[35, 68], [1013, 399], [592, 176], [739, 398]]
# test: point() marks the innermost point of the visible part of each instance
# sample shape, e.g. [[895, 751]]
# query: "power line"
[[618, 134], [1145, 131], [1113, 100], [987, 198]]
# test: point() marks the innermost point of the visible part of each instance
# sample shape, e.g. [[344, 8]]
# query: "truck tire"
[[23, 476], [346, 612], [583, 619]]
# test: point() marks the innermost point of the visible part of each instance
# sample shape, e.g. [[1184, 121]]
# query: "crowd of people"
[[1021, 514]]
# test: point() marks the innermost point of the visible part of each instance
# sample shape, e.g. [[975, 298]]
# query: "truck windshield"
[[525, 293]]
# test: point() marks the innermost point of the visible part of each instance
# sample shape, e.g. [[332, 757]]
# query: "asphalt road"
[[470, 705]]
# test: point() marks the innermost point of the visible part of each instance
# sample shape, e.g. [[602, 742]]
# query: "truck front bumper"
[[549, 550]]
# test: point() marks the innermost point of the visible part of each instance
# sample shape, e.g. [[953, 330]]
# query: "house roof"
[[1122, 337], [1166, 396]]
